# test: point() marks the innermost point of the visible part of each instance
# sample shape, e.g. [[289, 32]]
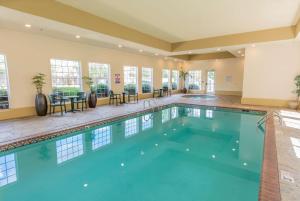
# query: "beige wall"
[[229, 73], [269, 73], [28, 54]]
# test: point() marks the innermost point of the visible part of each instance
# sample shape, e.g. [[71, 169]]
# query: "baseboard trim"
[[265, 102]]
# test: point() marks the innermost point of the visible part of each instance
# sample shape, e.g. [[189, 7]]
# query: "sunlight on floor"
[[296, 146], [291, 119]]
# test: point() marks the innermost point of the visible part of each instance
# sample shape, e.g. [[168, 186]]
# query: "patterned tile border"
[[269, 186]]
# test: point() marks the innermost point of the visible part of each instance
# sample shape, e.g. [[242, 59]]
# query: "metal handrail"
[[267, 116]]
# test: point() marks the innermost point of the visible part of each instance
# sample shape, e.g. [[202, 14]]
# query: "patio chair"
[[81, 99], [131, 93], [57, 101], [114, 97], [167, 91]]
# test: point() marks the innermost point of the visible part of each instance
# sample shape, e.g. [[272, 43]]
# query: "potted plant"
[[295, 103], [41, 105], [92, 97], [183, 75]]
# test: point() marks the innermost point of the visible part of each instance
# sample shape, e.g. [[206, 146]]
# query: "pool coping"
[[269, 184]]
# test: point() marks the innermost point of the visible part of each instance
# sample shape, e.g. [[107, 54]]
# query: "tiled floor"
[[287, 136]]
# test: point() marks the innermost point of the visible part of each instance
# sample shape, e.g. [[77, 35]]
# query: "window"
[[69, 148], [66, 76], [174, 112], [3, 84], [101, 137], [165, 115], [166, 78], [130, 78], [8, 172], [194, 79], [131, 127], [210, 87], [100, 74], [175, 79], [147, 121], [147, 82]]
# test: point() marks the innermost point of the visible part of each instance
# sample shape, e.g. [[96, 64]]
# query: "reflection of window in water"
[[147, 121], [131, 127], [69, 148], [193, 112], [101, 136], [8, 173], [174, 112], [209, 114], [165, 115]]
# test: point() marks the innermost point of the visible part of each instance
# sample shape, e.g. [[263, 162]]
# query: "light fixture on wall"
[[242, 55], [219, 49], [239, 52], [156, 54], [77, 36], [28, 25], [141, 50], [190, 52], [120, 46], [253, 45]]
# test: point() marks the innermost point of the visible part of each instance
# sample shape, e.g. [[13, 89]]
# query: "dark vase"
[[184, 90], [92, 100], [41, 105]]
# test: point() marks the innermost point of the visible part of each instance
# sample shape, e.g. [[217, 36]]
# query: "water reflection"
[[131, 127], [147, 121], [193, 112], [174, 112], [8, 173], [69, 148], [165, 115], [209, 114], [101, 137]]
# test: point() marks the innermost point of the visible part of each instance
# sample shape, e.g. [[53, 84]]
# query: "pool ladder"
[[268, 116]]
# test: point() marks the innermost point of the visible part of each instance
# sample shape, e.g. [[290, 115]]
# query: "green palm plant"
[[297, 90], [39, 81], [183, 75], [89, 82]]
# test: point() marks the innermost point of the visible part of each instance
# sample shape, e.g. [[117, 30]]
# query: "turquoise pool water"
[[177, 154]]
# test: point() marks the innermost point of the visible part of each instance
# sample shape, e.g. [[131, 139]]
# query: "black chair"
[[57, 101], [167, 91], [131, 93], [81, 99], [114, 97]]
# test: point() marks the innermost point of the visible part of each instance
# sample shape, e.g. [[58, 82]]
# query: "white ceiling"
[[175, 21]]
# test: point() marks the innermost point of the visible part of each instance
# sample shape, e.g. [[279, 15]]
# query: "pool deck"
[[285, 142]]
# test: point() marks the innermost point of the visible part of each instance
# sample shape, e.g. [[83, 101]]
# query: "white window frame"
[[175, 79], [195, 79], [133, 69], [151, 82], [97, 77], [162, 74], [54, 84], [7, 86]]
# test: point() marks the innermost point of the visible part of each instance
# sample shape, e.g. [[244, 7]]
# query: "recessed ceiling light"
[[77, 36], [141, 50], [242, 55], [120, 46], [28, 25], [253, 45], [156, 54], [239, 52], [219, 49], [190, 52]]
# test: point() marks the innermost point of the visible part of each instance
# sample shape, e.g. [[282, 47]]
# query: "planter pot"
[[293, 105], [92, 100], [184, 90], [41, 105]]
